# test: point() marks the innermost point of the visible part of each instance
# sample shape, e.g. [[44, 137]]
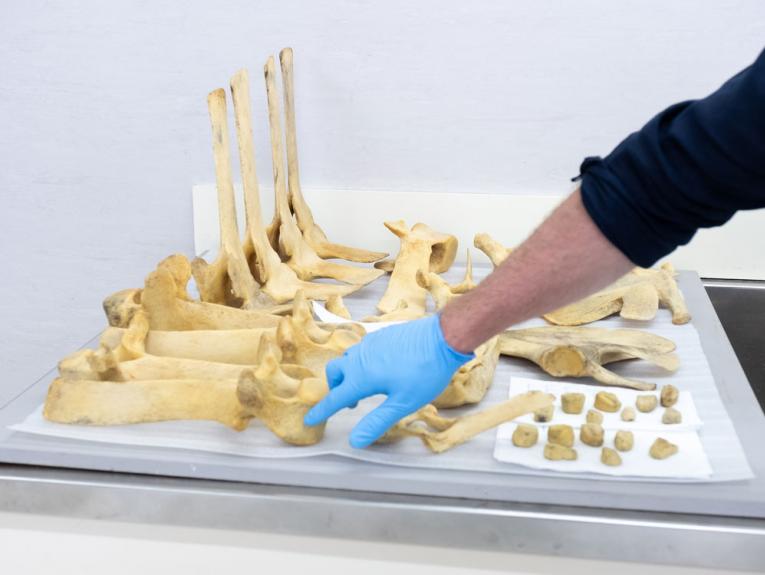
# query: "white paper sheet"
[[323, 314], [690, 461], [650, 421]]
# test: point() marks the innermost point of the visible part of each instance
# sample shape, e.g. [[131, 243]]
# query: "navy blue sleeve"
[[692, 166]]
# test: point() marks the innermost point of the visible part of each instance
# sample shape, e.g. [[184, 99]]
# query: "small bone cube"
[[628, 414], [661, 449], [669, 395], [572, 402], [525, 435], [624, 440], [555, 452], [594, 416], [610, 457], [544, 415], [561, 435], [607, 401], [646, 403], [591, 434], [671, 416]]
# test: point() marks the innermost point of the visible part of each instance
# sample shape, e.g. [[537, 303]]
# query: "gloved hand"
[[411, 363]]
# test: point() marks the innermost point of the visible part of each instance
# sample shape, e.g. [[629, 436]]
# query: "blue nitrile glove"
[[411, 363]]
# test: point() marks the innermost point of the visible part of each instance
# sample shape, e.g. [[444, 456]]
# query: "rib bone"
[[580, 351], [440, 433], [284, 232], [313, 234], [495, 251]]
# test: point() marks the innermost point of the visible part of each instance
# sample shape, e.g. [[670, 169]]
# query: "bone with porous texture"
[[607, 401], [628, 414], [624, 440], [671, 416], [610, 457], [583, 351], [591, 434], [440, 434], [556, 452], [561, 434], [594, 416], [662, 449], [313, 234], [283, 233], [544, 414], [495, 251], [277, 279], [525, 435], [228, 279], [646, 403], [637, 296], [572, 402], [668, 396], [422, 249]]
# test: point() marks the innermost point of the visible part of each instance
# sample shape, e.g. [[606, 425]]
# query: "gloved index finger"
[[342, 396], [335, 372]]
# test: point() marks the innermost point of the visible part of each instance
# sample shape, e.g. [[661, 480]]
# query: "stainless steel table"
[[721, 525]]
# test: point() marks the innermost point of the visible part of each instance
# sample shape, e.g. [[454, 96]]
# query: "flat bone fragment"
[[608, 402], [555, 452], [572, 402], [313, 234], [671, 416], [624, 440], [228, 279], [610, 457], [646, 403], [440, 434], [662, 449], [525, 435], [669, 395], [495, 251], [583, 351], [561, 434], [637, 296], [422, 249], [277, 279], [591, 434], [284, 233]]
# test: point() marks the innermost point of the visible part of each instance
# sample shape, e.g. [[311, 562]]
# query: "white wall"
[[103, 126]]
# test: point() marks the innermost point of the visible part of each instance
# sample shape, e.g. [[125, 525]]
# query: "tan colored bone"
[[442, 292], [313, 234], [440, 434], [277, 279], [228, 279], [636, 296], [284, 233], [278, 395], [472, 380], [495, 251], [583, 351], [421, 249], [336, 306]]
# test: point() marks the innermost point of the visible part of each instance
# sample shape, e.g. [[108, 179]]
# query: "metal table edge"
[[542, 529]]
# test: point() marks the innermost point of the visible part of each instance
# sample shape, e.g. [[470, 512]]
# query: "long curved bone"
[[284, 232], [278, 395], [277, 279], [494, 250], [228, 279], [583, 351], [313, 234], [637, 296], [440, 433], [421, 249]]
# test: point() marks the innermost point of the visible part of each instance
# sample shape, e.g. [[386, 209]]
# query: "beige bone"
[[637, 296], [495, 251], [277, 279], [228, 279], [284, 232], [313, 234], [580, 352], [421, 249], [440, 433]]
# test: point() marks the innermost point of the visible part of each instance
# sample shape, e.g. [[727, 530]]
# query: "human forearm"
[[564, 260]]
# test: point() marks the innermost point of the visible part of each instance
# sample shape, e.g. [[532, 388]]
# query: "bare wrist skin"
[[565, 259]]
